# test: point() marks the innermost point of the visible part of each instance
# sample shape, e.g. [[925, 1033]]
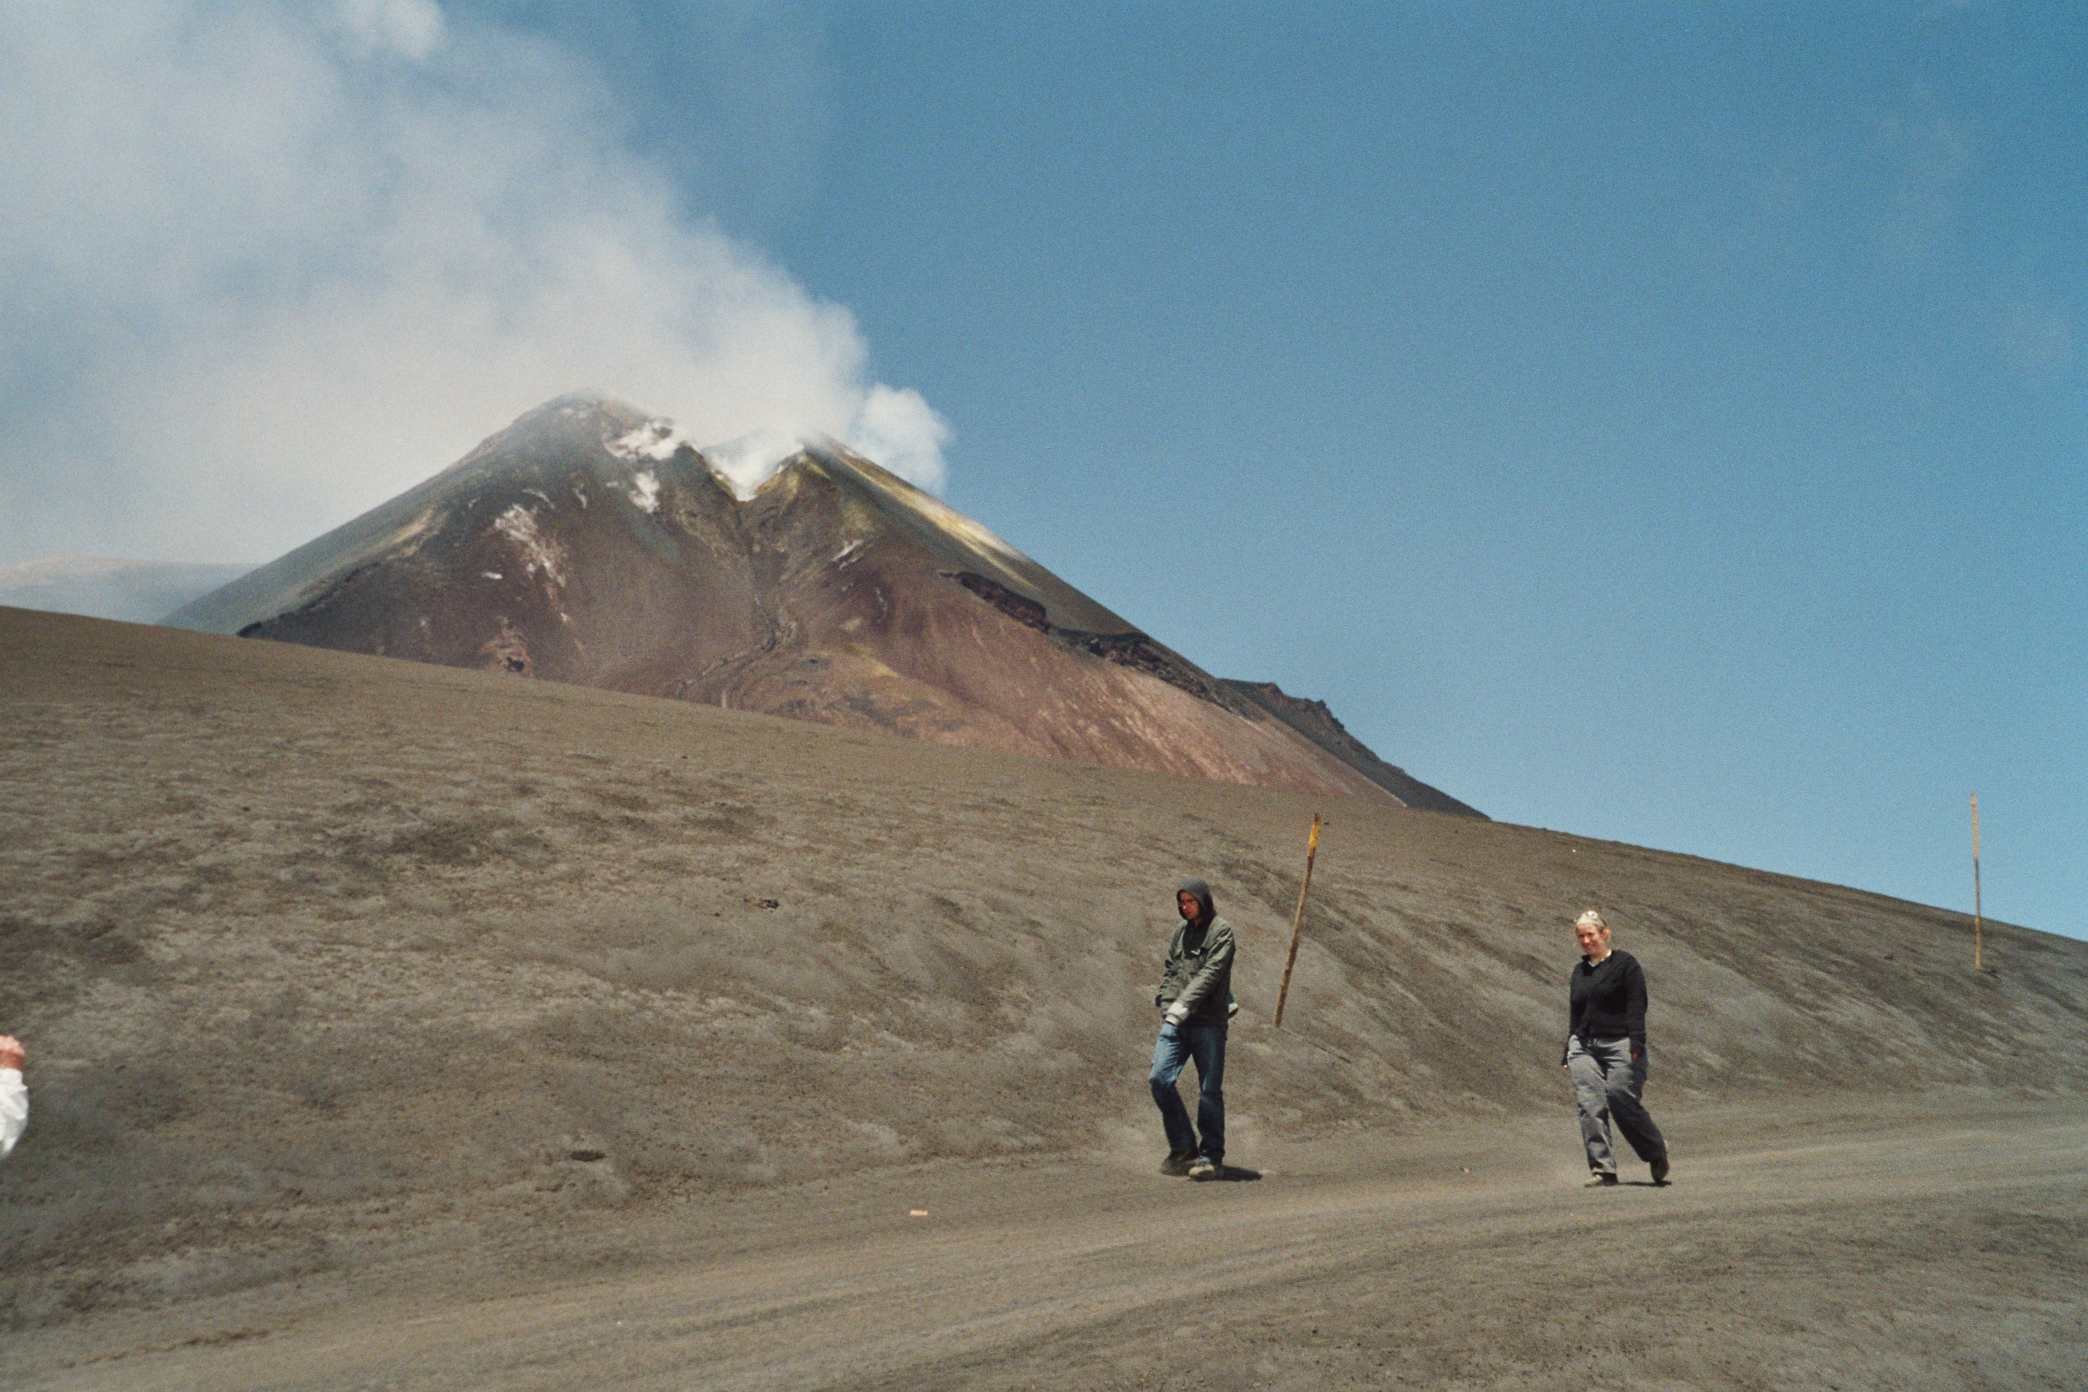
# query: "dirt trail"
[[1906, 1251]]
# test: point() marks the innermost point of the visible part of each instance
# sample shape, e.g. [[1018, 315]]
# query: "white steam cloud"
[[264, 265]]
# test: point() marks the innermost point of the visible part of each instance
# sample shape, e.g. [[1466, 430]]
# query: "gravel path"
[[1901, 1251]]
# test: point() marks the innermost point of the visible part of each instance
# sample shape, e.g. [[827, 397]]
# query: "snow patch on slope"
[[645, 490], [656, 440], [541, 555]]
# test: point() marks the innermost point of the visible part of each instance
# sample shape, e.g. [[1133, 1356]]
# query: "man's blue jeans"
[[1176, 1046]]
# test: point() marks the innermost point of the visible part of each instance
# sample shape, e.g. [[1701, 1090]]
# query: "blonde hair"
[[1592, 918]]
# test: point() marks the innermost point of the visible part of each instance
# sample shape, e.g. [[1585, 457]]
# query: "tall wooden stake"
[[1298, 919], [1978, 931]]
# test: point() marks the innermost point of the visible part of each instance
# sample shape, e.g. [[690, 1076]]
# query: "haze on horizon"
[[1662, 426]]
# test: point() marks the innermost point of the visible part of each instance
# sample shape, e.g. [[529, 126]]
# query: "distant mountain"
[[589, 543], [105, 588]]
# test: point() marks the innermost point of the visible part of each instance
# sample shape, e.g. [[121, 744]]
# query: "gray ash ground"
[[398, 1026]]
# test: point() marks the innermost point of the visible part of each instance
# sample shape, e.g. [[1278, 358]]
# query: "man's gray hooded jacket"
[[1199, 966]]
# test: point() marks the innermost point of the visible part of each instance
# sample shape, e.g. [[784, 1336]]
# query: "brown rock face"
[[586, 544]]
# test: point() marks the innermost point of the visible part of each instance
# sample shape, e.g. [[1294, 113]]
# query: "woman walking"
[[1606, 1052]]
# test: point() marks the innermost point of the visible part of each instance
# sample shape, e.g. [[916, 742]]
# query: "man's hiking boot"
[[1599, 1180], [1176, 1164], [1205, 1169], [1660, 1170]]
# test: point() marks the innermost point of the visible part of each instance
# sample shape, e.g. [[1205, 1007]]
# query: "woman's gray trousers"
[[1606, 1085]]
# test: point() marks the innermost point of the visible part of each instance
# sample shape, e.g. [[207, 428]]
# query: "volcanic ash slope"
[[318, 952], [588, 543]]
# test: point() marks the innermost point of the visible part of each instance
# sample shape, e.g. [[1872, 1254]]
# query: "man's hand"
[[1176, 1013], [12, 1054]]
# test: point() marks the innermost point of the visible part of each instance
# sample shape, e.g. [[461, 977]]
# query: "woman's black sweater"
[[1608, 1001]]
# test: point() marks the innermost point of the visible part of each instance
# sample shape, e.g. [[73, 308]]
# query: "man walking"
[[1195, 993]]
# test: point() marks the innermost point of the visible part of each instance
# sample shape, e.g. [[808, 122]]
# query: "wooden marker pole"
[[1298, 919], [1978, 933]]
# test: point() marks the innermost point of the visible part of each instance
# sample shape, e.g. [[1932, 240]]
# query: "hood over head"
[[1202, 891]]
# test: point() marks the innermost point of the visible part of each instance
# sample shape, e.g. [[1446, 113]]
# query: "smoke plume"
[[263, 265]]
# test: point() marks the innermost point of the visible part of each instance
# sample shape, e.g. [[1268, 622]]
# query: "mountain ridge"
[[591, 543]]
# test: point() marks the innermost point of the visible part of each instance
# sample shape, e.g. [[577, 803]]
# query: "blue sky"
[[1667, 424]]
